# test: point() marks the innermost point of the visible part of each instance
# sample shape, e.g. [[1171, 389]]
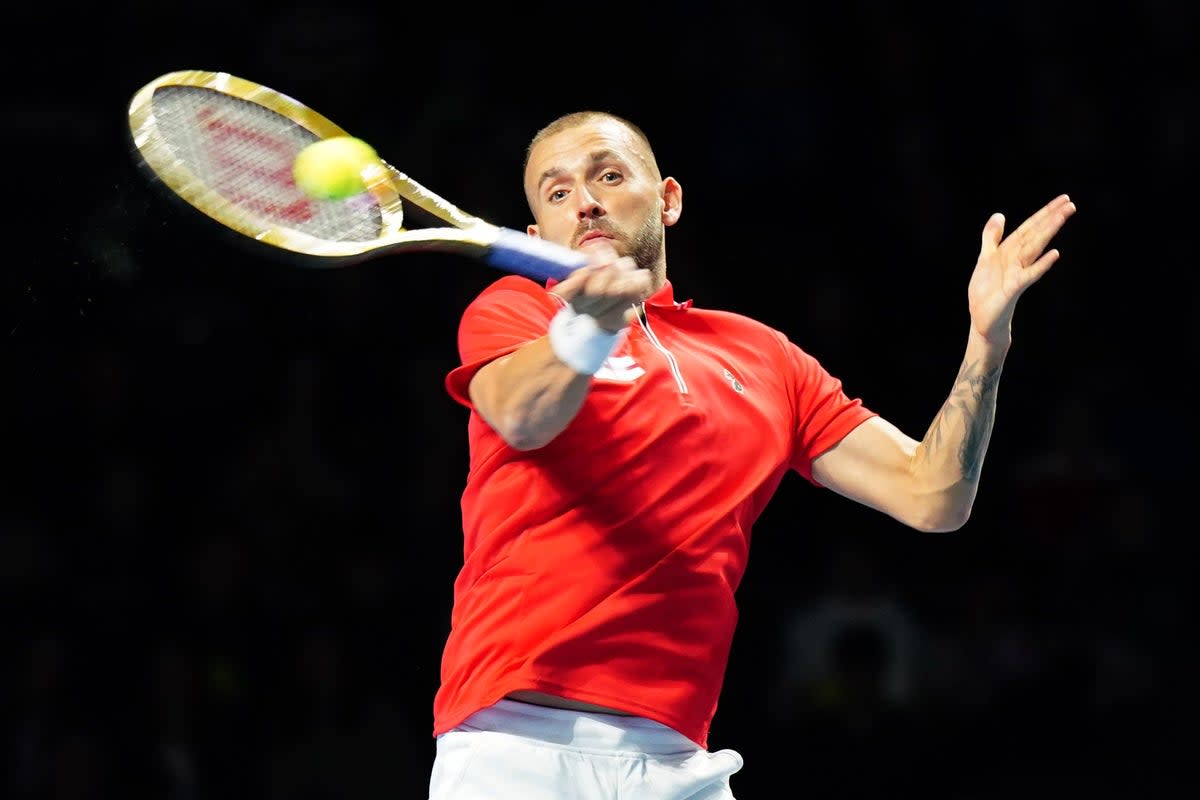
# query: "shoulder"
[[732, 323], [512, 297], [760, 342], [510, 284]]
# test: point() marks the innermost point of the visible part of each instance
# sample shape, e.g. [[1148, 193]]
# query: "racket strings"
[[239, 155]]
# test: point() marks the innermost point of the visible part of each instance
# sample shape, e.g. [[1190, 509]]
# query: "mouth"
[[594, 236]]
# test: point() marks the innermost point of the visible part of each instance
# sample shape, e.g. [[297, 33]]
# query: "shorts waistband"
[[581, 729]]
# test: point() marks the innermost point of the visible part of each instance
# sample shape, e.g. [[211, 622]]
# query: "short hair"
[[576, 118]]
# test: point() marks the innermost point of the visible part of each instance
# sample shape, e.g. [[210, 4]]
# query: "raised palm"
[[1008, 265]]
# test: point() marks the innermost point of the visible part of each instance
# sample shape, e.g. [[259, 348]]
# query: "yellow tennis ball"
[[332, 169]]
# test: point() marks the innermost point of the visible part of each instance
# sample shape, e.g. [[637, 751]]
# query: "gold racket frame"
[[389, 186]]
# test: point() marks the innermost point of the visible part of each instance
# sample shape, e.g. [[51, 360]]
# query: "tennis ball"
[[332, 169]]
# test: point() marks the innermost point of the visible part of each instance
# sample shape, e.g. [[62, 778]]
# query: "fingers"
[[1030, 238], [1040, 267], [1039, 229], [608, 286], [606, 290], [1050, 217], [993, 232]]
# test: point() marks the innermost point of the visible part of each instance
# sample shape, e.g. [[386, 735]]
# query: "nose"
[[588, 206]]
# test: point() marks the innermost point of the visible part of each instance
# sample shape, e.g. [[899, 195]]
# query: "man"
[[622, 444]]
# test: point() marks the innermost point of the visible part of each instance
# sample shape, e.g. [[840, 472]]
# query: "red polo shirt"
[[602, 567]]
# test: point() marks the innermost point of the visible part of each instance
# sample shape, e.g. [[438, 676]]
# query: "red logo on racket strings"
[[296, 211], [226, 145]]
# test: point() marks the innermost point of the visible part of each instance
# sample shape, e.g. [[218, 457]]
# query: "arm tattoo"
[[971, 404]]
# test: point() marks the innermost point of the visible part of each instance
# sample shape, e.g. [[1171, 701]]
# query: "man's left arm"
[[931, 484]]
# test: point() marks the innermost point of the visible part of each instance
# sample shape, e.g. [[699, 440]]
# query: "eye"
[[557, 194], [611, 176]]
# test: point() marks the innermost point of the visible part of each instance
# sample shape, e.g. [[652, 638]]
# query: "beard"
[[644, 245]]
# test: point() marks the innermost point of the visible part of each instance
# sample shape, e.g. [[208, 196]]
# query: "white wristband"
[[579, 342]]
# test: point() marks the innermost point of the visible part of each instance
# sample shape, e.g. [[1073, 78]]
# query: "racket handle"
[[533, 257]]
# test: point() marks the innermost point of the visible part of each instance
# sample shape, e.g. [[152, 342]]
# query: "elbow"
[[943, 509], [525, 443], [519, 439], [515, 427], [947, 524], [519, 435], [941, 518]]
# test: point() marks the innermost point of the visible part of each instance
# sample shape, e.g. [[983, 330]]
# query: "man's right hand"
[[607, 291]]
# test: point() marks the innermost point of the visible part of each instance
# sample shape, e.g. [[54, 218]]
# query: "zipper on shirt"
[[645, 323]]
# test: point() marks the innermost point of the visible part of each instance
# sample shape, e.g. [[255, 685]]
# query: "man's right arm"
[[530, 395]]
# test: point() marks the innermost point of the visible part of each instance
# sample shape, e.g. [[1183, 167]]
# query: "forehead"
[[574, 147]]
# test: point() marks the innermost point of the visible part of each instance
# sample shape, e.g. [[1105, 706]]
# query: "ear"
[[672, 196], [532, 230]]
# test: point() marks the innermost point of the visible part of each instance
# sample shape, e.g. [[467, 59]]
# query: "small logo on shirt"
[[620, 368], [734, 382]]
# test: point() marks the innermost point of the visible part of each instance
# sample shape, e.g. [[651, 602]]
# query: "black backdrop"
[[228, 517]]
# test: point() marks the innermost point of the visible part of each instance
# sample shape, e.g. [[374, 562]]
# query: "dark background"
[[228, 515]]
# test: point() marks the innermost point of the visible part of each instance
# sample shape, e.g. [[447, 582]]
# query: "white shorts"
[[519, 751]]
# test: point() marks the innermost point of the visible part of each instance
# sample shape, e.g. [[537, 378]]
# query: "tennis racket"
[[226, 146]]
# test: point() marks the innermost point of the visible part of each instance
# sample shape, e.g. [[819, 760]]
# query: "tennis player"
[[622, 444]]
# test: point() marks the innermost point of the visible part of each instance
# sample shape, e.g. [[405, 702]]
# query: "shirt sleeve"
[[825, 413], [511, 312]]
